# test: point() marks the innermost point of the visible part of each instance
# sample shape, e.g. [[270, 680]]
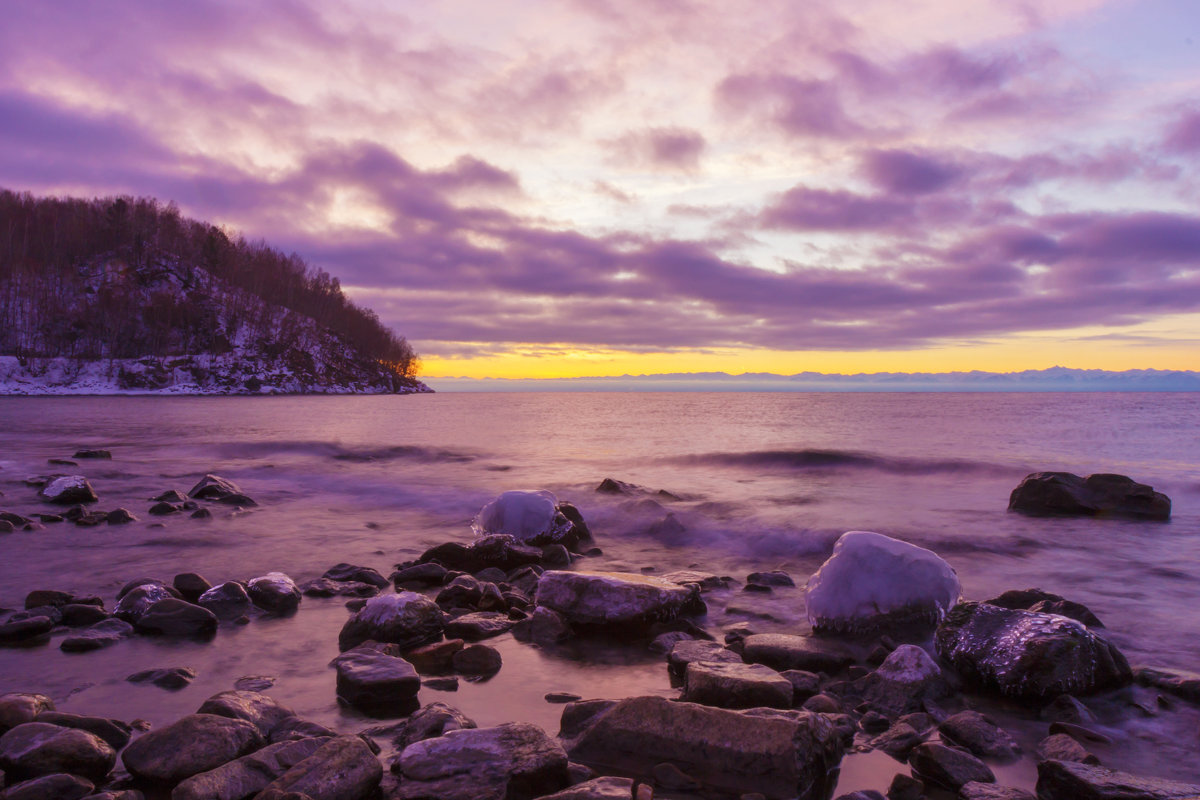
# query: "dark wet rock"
[[822, 704], [16, 520], [1061, 747], [247, 776], [728, 685], [561, 697], [781, 651], [91, 519], [465, 591], [672, 778], [525, 579], [377, 682], [274, 593], [120, 516], [1079, 733], [1069, 608], [192, 744], [990, 791], [213, 487], [93, 453], [696, 650], [290, 729], [1066, 780], [579, 716], [164, 509], [947, 766], [1066, 708], [905, 787], [612, 486], [117, 794], [705, 580], [172, 496], [480, 625], [614, 599], [33, 749], [980, 735], [605, 788], [114, 732], [260, 710], [48, 597], [419, 576], [24, 632], [406, 618], [778, 753], [190, 585], [67, 490], [873, 723], [436, 658], [543, 627], [873, 582], [867, 794], [177, 618], [431, 721], [555, 556], [344, 768], [350, 572], [239, 500], [499, 550], [903, 682], [60, 786], [477, 660], [665, 641], [168, 678], [1027, 654], [445, 683], [757, 587], [508, 762], [227, 600], [898, 740], [8, 527], [17, 708], [129, 586], [1043, 494], [1177, 682], [772, 578], [105, 633], [325, 587], [137, 601], [200, 513], [80, 615], [805, 684]]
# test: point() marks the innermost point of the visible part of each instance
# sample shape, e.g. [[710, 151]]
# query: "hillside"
[[125, 295]]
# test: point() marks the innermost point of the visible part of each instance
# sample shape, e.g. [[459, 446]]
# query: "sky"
[[606, 187]]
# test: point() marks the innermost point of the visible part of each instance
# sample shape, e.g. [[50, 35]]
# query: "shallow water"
[[764, 481]]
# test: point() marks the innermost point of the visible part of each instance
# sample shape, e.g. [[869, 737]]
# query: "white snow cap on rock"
[[525, 515], [385, 607], [872, 579]]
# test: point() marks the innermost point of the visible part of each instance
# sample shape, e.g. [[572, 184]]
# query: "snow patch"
[[525, 515], [383, 608]]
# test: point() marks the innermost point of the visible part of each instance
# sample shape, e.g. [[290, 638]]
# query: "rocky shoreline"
[[897, 664]]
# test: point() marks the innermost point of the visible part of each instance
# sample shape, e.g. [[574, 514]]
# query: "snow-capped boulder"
[[406, 618], [1047, 494], [535, 518], [274, 592], [610, 599], [872, 581], [1028, 654], [68, 490]]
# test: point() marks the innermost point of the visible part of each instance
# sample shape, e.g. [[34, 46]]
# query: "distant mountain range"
[[1055, 379]]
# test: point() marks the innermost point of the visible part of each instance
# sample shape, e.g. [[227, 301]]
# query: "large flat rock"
[[614, 599]]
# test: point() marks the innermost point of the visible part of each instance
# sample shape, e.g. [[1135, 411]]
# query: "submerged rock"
[[406, 618], [535, 518], [781, 754], [1066, 780], [67, 490], [1027, 654], [1064, 494], [872, 581], [614, 599]]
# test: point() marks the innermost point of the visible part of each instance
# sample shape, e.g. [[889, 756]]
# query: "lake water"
[[764, 481]]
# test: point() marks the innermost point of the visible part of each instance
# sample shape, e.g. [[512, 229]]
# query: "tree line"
[[78, 278]]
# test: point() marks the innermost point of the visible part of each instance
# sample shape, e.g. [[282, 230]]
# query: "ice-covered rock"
[[1028, 654], [607, 599], [535, 518], [872, 581], [68, 490], [406, 618]]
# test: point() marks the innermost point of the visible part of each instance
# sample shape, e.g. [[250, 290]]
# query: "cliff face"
[[206, 336]]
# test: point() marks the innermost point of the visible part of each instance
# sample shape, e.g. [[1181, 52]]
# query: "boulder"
[[31, 630], [274, 593], [781, 754], [513, 761], [497, 550], [431, 721], [190, 585], [190, 745], [47, 597], [59, 786], [177, 618], [33, 749], [782, 651], [980, 735], [436, 658], [1046, 603], [872, 582], [138, 600], [105, 633], [114, 732], [1061, 747], [406, 618], [345, 573], [17, 708], [418, 576], [376, 682], [344, 768], [228, 600], [120, 516], [615, 600], [1066, 780], [1027, 654], [80, 615], [542, 626], [247, 776], [477, 660], [256, 708], [68, 490], [903, 682], [213, 487], [687, 651], [1063, 494], [728, 685], [535, 518], [948, 766]]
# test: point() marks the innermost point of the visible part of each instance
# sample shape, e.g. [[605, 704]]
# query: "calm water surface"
[[765, 481]]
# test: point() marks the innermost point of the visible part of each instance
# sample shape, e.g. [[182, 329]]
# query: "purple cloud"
[[1184, 134], [805, 209], [659, 148], [905, 172], [799, 107]]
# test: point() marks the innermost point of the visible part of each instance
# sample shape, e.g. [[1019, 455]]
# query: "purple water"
[[765, 481]]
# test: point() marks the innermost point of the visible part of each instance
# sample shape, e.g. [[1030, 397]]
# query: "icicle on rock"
[[873, 581], [536, 518]]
